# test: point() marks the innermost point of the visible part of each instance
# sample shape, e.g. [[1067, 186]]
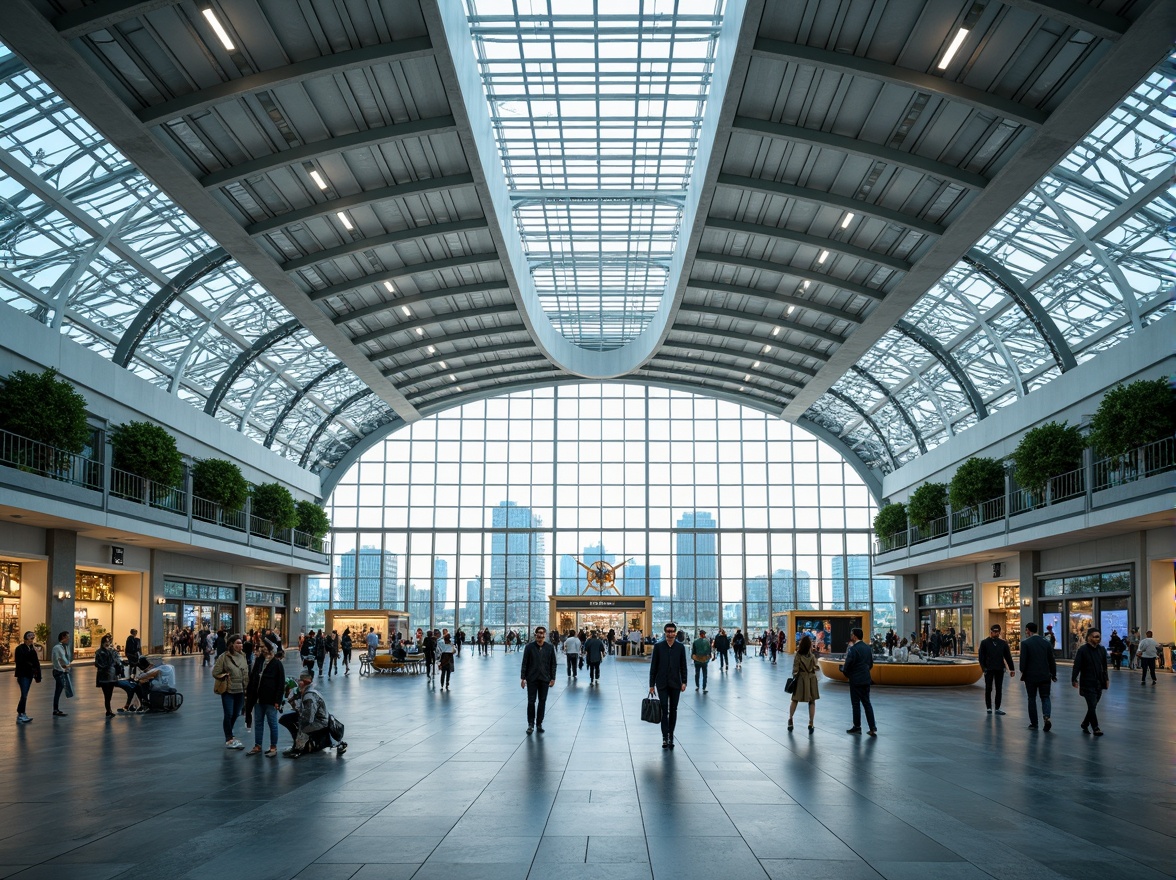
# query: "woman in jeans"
[[106, 667], [28, 670], [267, 682], [232, 668]]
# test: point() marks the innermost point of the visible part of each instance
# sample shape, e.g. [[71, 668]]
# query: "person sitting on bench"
[[151, 678]]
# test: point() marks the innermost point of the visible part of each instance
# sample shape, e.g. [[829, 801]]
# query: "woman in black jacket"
[[346, 644], [739, 643], [263, 696], [106, 665], [1090, 677], [28, 670]]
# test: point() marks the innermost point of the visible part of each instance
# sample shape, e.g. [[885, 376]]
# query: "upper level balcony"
[[1106, 494], [73, 487]]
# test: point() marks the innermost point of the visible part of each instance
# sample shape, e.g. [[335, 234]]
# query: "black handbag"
[[790, 685], [651, 710]]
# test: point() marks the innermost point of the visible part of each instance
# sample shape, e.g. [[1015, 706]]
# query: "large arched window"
[[477, 515]]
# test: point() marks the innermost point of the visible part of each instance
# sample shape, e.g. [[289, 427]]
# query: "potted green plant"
[[1045, 452], [313, 521], [891, 520], [47, 410], [976, 481], [41, 638], [220, 482], [1131, 416], [927, 504], [148, 451], [273, 502]]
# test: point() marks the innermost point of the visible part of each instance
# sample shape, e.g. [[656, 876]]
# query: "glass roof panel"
[[86, 241], [1091, 243], [597, 116]]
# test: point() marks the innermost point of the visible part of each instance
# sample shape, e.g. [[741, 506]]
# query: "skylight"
[[597, 112]]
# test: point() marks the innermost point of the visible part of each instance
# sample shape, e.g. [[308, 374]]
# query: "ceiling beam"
[[245, 358], [448, 339], [778, 298], [372, 137], [733, 354], [814, 241], [894, 402], [417, 298], [295, 399], [415, 233], [865, 417], [871, 477], [785, 269], [759, 343], [825, 199], [728, 369], [434, 321], [325, 423], [369, 197], [856, 147], [1080, 16], [947, 359], [855, 65], [739, 315], [402, 272], [104, 14], [290, 74]]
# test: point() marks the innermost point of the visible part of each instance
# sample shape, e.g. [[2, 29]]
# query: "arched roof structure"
[[880, 219]]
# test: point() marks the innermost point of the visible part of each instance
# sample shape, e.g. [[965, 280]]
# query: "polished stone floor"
[[446, 785]]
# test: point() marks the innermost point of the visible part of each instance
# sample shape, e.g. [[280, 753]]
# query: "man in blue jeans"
[[61, 663], [859, 660], [1038, 669]]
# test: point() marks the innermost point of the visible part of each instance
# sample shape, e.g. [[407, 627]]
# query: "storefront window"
[[10, 635], [1087, 584], [1081, 620], [93, 611], [1112, 618]]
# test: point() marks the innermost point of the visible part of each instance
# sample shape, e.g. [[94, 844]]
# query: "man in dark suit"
[[994, 657], [538, 676], [859, 659], [667, 673], [1038, 669]]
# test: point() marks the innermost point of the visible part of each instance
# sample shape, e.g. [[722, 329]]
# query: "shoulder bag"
[[651, 710], [790, 685]]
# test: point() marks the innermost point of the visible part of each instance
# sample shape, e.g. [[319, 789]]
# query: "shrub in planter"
[[312, 520], [220, 482], [1134, 415], [147, 450], [274, 502], [975, 481], [927, 504], [1045, 452], [46, 409], [891, 520]]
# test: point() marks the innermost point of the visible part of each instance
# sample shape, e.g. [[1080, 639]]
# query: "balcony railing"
[[1097, 475], [47, 461], [36, 458]]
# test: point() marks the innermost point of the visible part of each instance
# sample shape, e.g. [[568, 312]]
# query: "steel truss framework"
[[1080, 263], [90, 246]]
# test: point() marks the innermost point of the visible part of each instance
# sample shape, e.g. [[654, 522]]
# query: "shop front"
[[945, 610], [1007, 614], [601, 613], [10, 634], [266, 609], [94, 599], [1074, 603], [390, 626], [191, 607]]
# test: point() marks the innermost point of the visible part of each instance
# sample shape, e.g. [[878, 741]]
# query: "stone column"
[[61, 546]]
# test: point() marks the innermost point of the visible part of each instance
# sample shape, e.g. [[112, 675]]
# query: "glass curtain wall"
[[722, 514]]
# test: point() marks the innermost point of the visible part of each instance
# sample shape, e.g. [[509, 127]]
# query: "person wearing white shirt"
[[1148, 648], [571, 648]]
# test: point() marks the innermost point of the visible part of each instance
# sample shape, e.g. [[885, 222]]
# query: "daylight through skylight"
[[597, 112]]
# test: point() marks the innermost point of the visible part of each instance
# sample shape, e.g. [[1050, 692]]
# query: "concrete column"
[[1027, 563], [61, 548], [905, 585], [299, 593]]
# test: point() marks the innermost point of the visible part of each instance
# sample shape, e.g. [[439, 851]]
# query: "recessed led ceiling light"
[[406, 310], [420, 331], [432, 349], [790, 309], [767, 348], [453, 378], [345, 220], [318, 179], [218, 29], [805, 285], [956, 42], [775, 331], [755, 366], [747, 377], [388, 287], [848, 219], [824, 256], [444, 365], [459, 388]]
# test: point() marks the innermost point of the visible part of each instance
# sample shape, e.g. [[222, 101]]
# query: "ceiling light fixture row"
[[218, 29]]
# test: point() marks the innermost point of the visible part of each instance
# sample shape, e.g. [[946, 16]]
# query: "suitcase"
[[164, 701]]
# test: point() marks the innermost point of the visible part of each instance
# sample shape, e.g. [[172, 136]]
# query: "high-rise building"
[[372, 574], [634, 581], [517, 563], [570, 581], [852, 573], [696, 558]]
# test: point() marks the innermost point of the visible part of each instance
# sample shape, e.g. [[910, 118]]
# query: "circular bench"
[[949, 673]]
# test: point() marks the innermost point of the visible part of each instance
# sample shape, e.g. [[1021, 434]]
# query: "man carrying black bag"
[[667, 674]]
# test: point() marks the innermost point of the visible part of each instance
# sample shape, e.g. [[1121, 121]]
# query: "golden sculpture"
[[602, 576]]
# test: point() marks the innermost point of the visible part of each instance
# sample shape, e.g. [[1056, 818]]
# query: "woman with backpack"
[[447, 651]]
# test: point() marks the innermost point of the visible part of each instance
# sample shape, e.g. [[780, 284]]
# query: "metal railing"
[[130, 487], [48, 461], [1095, 476]]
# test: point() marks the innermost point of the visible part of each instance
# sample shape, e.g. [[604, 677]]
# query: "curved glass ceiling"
[[88, 245], [597, 111], [1078, 265]]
